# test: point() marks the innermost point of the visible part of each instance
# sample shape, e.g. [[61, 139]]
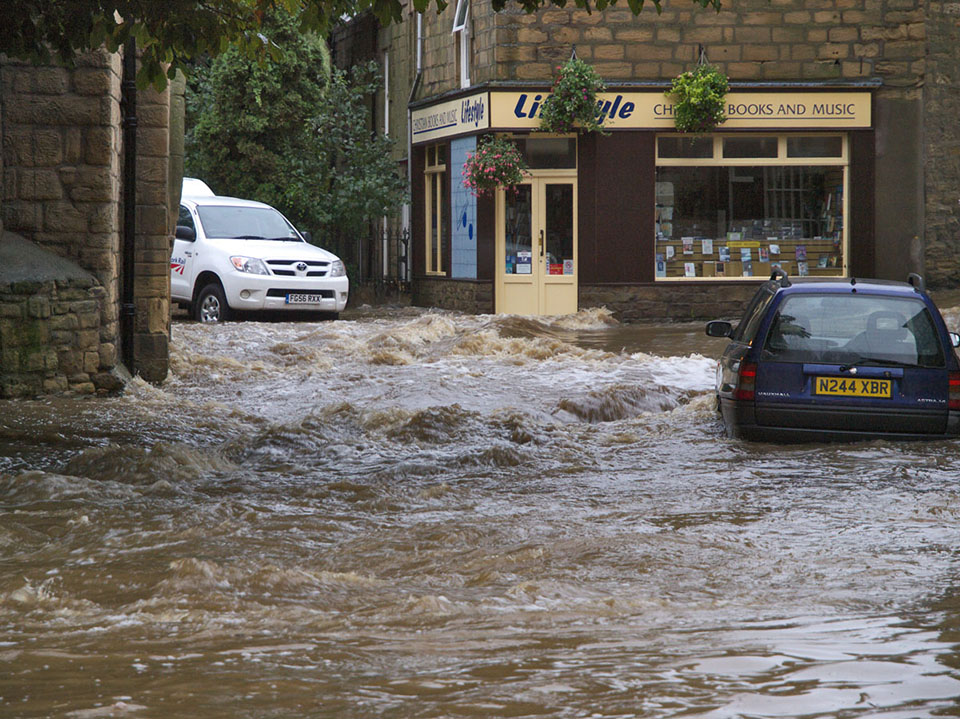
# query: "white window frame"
[[461, 28]]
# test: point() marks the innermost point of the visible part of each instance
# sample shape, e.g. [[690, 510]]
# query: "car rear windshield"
[[854, 328], [246, 223]]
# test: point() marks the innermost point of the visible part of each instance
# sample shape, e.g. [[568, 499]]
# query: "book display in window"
[[705, 215]]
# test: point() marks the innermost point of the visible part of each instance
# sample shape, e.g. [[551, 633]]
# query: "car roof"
[[844, 285], [222, 201], [192, 187]]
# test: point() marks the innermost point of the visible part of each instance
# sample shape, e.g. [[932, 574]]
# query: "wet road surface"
[[423, 514]]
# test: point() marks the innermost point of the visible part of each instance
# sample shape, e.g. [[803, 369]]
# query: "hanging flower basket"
[[699, 99], [497, 163], [572, 104]]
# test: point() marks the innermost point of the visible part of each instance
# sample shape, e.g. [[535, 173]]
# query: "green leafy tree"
[[292, 133], [172, 33]]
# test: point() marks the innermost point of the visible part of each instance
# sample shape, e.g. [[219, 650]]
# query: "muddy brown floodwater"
[[423, 514]]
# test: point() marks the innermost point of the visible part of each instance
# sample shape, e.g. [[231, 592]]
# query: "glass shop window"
[[756, 203], [435, 181]]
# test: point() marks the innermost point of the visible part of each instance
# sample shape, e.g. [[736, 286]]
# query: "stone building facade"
[[61, 213], [900, 161]]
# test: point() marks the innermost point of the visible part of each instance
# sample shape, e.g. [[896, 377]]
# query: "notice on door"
[[524, 263]]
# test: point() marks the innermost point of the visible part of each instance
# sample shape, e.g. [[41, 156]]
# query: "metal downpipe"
[[127, 304]]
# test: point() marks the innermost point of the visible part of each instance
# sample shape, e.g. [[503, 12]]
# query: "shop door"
[[537, 248]]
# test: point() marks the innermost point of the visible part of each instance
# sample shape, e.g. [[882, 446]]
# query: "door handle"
[[541, 244]]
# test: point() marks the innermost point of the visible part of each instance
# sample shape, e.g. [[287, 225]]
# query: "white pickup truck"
[[233, 255]]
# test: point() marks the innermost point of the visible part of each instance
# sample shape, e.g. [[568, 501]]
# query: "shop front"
[[643, 216]]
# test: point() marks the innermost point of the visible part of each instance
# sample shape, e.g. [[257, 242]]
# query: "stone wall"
[[470, 296], [62, 189], [942, 145], [690, 301], [50, 314]]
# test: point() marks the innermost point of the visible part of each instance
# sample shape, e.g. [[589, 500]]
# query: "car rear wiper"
[[883, 361]]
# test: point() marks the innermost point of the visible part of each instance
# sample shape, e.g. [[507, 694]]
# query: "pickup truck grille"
[[288, 268]]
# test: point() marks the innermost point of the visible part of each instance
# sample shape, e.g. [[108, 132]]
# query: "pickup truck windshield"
[[854, 329], [245, 223]]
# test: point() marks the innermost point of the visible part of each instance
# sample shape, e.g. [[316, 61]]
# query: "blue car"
[[826, 359]]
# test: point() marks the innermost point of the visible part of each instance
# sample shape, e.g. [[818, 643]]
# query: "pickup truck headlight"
[[251, 265], [337, 269]]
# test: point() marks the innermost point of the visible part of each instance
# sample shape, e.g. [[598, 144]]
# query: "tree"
[[292, 133], [172, 33]]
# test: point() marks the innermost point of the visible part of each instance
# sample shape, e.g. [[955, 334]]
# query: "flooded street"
[[415, 513]]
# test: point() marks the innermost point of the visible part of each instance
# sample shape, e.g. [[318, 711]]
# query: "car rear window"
[[225, 222], [854, 328]]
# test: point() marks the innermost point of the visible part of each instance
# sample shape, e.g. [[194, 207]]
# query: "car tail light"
[[747, 381], [953, 396]]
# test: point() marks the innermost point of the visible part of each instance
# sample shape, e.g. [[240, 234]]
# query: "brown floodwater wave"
[[421, 514]]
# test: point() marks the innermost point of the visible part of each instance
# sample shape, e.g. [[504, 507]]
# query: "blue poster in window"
[[463, 238]]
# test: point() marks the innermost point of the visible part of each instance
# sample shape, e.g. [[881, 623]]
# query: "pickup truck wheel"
[[211, 305]]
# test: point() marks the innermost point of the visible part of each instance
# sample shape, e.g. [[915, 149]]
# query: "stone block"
[[103, 217], [70, 361], [95, 81], [633, 34], [64, 322], [608, 52], [55, 385], [72, 144], [649, 52], [760, 53], [50, 80], [82, 387], [108, 354], [63, 217], [843, 34], [531, 36], [91, 362], [39, 184], [153, 142], [101, 145], [18, 148], [94, 184], [33, 360], [152, 220], [47, 148], [38, 307], [752, 35], [107, 382]]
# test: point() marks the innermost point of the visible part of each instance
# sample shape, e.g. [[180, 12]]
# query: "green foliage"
[[496, 163], [171, 33], [699, 99], [294, 134], [572, 104]]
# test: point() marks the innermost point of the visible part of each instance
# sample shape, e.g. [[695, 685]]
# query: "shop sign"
[[455, 117], [652, 110]]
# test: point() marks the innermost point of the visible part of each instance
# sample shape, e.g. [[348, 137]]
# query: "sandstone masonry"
[[62, 190]]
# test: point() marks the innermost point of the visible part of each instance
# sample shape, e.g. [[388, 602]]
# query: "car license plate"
[[303, 299], [853, 387]]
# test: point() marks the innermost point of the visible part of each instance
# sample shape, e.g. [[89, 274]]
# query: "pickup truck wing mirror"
[[186, 233]]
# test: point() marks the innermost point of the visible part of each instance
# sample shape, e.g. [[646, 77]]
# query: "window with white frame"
[[434, 174], [461, 29], [743, 205]]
